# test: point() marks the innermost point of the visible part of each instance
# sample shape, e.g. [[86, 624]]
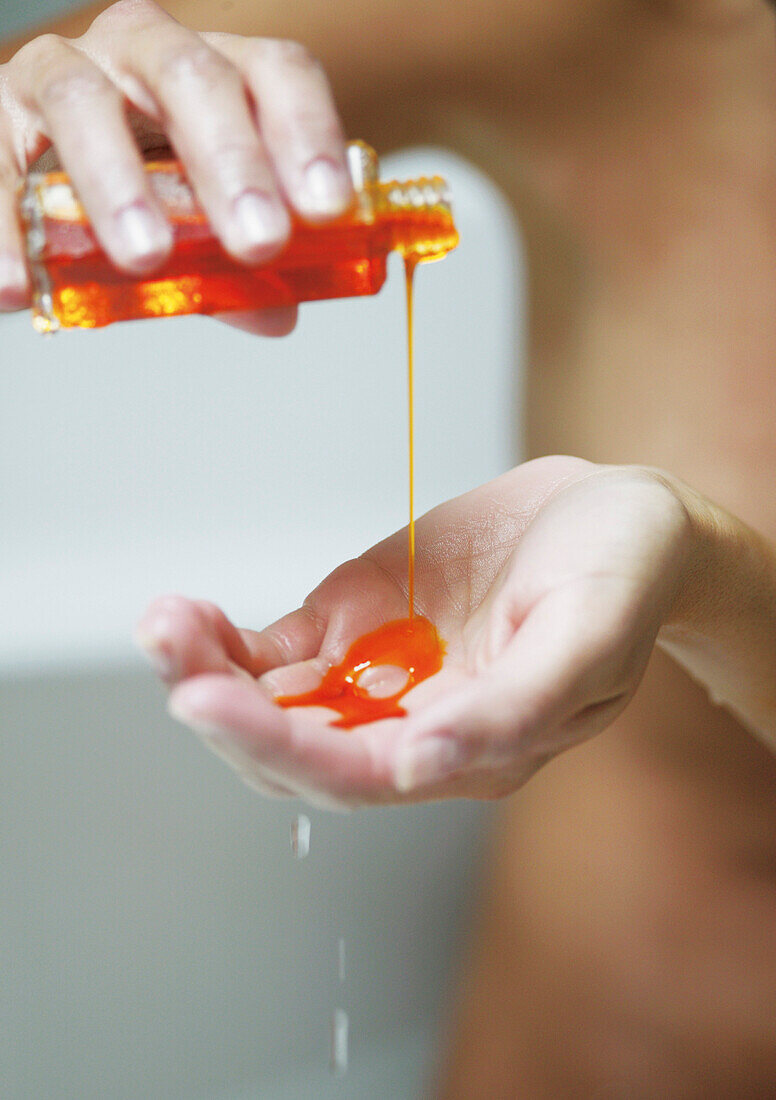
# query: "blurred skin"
[[626, 944]]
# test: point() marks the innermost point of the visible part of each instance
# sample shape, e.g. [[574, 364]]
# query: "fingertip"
[[156, 635], [259, 227], [157, 625], [140, 238], [157, 656], [324, 191]]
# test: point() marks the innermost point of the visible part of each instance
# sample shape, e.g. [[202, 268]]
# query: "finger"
[[242, 724], [297, 679], [14, 282], [264, 322], [299, 121], [83, 114], [356, 598], [567, 656], [203, 101], [294, 638], [184, 638]]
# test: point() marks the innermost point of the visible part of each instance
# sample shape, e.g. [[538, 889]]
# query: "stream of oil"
[[412, 644], [410, 263]]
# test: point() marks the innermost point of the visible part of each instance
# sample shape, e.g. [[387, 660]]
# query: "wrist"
[[707, 581], [707, 533], [722, 626]]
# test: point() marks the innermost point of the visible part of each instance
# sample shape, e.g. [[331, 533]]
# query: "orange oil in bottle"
[[75, 284]]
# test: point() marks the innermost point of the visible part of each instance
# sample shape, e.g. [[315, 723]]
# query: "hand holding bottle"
[[252, 119]]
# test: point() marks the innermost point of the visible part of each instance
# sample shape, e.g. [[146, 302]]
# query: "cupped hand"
[[252, 119], [548, 586]]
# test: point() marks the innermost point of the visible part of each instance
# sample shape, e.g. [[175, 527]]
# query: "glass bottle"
[[76, 285]]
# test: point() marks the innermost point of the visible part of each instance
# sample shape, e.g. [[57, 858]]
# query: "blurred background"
[[17, 15], [157, 938]]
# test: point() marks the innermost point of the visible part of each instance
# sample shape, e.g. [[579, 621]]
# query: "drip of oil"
[[338, 1061], [412, 644], [341, 960], [300, 836], [410, 263]]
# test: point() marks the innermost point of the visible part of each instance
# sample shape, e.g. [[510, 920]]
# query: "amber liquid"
[[341, 259], [411, 644], [410, 263]]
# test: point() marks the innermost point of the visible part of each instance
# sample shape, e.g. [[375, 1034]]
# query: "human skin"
[[72, 98], [550, 586], [626, 942]]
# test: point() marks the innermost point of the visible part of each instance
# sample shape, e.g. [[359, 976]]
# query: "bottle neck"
[[417, 215]]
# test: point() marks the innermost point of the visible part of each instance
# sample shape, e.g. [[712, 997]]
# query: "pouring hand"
[[252, 119]]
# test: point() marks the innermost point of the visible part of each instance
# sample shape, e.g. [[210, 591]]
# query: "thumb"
[[569, 654]]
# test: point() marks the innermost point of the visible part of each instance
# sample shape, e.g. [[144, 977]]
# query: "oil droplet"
[[341, 959], [300, 836], [339, 1042]]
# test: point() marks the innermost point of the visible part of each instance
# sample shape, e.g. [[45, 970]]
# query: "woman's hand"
[[548, 585], [252, 119]]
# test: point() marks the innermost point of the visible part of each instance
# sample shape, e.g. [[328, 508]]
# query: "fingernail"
[[13, 282], [145, 236], [259, 226], [160, 661], [325, 189], [426, 761]]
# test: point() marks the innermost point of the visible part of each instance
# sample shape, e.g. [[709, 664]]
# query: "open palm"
[[548, 586]]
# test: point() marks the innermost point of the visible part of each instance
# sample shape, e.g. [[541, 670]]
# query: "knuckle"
[[195, 62], [315, 122], [125, 8], [124, 11], [288, 52], [39, 50], [70, 88], [221, 39], [238, 159], [37, 56]]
